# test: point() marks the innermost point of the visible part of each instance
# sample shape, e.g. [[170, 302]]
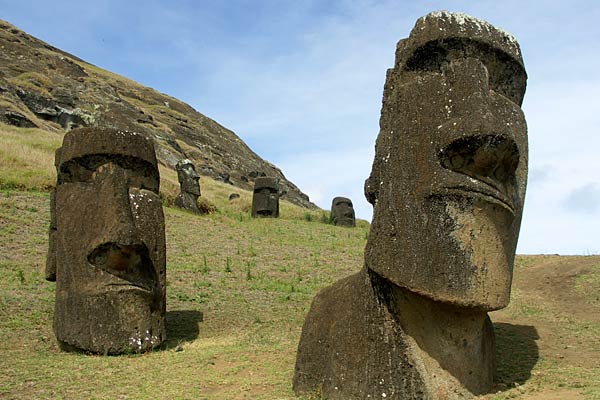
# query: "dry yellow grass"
[[27, 163], [27, 158], [238, 291]]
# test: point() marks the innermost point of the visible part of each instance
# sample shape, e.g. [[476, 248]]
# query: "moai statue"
[[190, 189], [265, 200], [342, 212], [447, 185], [107, 243]]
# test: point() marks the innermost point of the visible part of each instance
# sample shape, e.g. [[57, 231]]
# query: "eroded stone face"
[[342, 212], [265, 199], [447, 185], [190, 188], [188, 177], [448, 180], [108, 246]]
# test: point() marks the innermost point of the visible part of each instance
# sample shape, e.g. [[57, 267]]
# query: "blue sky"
[[301, 83]]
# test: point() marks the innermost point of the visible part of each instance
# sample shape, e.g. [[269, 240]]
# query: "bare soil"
[[554, 318]]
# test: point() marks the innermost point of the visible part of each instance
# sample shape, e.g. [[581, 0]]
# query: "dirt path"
[[550, 330]]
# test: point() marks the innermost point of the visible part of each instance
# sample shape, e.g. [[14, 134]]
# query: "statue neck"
[[448, 339]]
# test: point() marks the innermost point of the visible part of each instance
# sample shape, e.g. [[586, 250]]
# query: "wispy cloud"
[[584, 199], [301, 82]]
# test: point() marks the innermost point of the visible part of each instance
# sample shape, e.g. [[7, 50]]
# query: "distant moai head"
[[188, 177], [108, 244], [265, 200], [342, 212], [449, 175]]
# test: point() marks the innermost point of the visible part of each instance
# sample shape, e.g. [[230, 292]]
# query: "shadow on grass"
[[182, 326], [516, 354]]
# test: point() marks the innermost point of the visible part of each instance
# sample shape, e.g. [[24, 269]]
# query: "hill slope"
[[238, 291], [44, 87]]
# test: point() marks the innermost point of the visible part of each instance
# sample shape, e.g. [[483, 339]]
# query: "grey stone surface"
[[189, 186], [342, 212], [107, 243], [447, 185], [265, 198]]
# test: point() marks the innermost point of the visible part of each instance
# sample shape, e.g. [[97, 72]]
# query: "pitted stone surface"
[[189, 186], [107, 243], [265, 199], [342, 212], [447, 185]]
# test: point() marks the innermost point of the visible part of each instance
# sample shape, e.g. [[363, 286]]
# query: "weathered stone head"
[[190, 189], [107, 249], [188, 177], [450, 169], [342, 212], [265, 200]]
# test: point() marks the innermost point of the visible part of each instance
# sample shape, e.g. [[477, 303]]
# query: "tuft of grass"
[[204, 269], [27, 158], [33, 81]]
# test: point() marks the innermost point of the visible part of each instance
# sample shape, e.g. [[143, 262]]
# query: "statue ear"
[[372, 188], [51, 257]]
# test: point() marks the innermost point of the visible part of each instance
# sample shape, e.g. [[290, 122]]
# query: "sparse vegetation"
[[33, 81], [238, 291], [27, 158]]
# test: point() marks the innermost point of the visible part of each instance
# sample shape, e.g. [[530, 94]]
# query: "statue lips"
[[482, 166], [129, 266], [484, 191]]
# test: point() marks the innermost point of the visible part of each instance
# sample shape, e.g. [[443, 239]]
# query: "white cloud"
[[301, 83]]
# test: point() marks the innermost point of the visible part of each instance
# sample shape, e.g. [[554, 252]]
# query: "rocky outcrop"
[[45, 87]]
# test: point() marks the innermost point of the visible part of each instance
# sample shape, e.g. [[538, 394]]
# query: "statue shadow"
[[182, 326], [516, 354]]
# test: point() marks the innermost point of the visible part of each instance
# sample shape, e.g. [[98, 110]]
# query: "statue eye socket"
[[506, 76], [507, 79], [72, 171], [140, 174], [144, 182]]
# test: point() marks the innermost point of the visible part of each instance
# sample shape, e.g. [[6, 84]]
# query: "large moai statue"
[[189, 187], [107, 243], [265, 199], [342, 212], [447, 185]]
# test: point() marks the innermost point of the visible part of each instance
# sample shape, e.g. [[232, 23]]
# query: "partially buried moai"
[[265, 199], [189, 186], [342, 212], [107, 243], [447, 186]]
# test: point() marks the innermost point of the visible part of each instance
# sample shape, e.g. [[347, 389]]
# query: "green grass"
[[237, 295], [590, 284], [27, 158], [238, 292]]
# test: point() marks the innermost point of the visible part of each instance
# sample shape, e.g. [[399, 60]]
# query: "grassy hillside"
[[238, 291], [45, 88]]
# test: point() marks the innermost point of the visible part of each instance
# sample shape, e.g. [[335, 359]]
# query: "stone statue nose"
[[117, 257], [114, 213], [469, 80], [489, 158], [467, 70]]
